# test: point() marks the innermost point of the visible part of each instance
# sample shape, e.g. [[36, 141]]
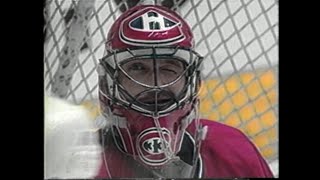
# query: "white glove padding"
[[71, 141]]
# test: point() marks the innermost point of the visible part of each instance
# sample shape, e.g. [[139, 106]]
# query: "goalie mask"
[[148, 84]]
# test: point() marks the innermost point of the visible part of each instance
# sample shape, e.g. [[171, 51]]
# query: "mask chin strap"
[[166, 147], [177, 168]]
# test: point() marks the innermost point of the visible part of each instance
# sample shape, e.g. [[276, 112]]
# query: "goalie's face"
[[153, 83]]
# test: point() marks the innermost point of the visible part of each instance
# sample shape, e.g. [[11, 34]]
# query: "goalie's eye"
[[147, 71], [171, 68], [137, 69]]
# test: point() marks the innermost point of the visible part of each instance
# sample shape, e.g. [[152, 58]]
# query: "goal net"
[[238, 39]]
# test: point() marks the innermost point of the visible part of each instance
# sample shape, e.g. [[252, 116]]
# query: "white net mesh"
[[238, 39]]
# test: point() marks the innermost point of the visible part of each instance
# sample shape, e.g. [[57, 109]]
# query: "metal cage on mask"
[[113, 63], [137, 124]]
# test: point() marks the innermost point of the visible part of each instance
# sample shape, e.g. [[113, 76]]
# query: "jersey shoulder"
[[226, 132], [226, 138], [228, 151]]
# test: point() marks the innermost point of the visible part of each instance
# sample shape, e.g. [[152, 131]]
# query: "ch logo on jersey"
[[151, 27], [151, 146], [152, 21]]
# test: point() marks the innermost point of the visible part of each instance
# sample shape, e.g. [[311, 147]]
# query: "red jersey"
[[225, 153]]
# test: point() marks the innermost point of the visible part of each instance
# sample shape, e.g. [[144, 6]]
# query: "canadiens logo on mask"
[[151, 147], [150, 27]]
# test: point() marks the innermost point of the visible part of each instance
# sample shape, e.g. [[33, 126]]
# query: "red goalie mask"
[[148, 83]]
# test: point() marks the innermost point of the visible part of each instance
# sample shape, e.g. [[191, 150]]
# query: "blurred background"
[[238, 39]]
